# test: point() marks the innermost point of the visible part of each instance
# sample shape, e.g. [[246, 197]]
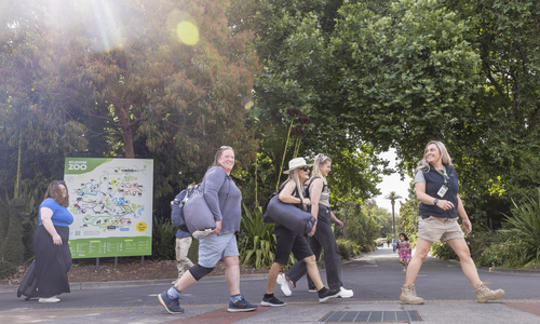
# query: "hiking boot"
[[271, 301], [171, 305], [483, 294], [284, 284], [345, 293], [325, 294], [408, 295], [241, 305]]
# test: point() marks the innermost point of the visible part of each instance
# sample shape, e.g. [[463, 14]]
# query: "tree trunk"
[[129, 150], [126, 127], [18, 175], [393, 220]]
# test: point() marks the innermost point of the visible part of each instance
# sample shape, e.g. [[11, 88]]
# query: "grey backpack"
[[195, 210]]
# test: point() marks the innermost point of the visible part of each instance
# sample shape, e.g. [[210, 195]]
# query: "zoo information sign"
[[111, 204]]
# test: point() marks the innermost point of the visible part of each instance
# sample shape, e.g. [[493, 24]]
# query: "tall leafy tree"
[[400, 73], [292, 43]]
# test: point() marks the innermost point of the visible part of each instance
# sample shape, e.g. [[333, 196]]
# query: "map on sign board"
[[111, 203]]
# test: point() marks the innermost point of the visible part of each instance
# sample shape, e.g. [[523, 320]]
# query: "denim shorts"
[[434, 229], [213, 248]]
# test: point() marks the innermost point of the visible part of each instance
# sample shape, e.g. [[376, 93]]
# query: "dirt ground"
[[127, 269]]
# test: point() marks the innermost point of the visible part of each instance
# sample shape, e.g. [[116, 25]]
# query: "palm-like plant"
[[257, 239], [393, 196], [525, 224]]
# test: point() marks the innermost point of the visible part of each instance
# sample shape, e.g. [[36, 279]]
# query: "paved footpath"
[[375, 279]]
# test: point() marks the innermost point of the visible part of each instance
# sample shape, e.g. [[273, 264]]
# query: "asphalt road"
[[375, 277]]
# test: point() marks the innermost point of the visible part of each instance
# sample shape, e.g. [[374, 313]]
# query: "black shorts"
[[287, 242]]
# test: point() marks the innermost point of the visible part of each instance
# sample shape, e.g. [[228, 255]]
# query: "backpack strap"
[[281, 186], [309, 185]]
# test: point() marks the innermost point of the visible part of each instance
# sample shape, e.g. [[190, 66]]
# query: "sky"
[[392, 183]]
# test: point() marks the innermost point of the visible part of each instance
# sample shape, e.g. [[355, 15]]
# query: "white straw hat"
[[297, 163]]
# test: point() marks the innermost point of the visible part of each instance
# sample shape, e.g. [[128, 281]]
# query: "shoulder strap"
[[309, 185]]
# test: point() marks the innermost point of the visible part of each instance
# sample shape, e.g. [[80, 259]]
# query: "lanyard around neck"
[[443, 174]]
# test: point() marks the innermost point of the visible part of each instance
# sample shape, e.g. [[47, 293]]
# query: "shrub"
[[6, 268], [163, 239], [15, 217], [509, 254], [525, 224], [257, 239], [481, 239], [443, 251], [348, 249], [360, 227], [478, 241]]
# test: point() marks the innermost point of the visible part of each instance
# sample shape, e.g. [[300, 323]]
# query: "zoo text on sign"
[[77, 165]]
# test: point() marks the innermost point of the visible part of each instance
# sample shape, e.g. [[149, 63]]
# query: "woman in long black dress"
[[53, 258]]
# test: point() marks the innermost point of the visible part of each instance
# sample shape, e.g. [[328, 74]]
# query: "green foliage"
[[163, 239], [443, 251], [368, 74], [382, 217], [257, 239], [409, 219], [7, 268], [360, 227], [399, 73], [18, 222], [353, 176], [482, 238], [524, 224], [509, 254], [348, 249]]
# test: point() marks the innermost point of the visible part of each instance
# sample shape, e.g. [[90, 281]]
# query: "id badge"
[[442, 191]]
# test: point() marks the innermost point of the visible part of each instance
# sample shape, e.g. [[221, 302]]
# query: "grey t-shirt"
[[419, 177], [223, 198]]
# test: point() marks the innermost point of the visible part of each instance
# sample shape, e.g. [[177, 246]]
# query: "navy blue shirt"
[[61, 216], [434, 182]]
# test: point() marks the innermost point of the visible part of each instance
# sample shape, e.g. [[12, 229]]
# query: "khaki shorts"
[[434, 229]]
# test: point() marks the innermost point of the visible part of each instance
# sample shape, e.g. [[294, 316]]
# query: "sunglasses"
[[225, 147], [306, 168]]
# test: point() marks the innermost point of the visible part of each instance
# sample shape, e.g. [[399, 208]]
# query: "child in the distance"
[[404, 250]]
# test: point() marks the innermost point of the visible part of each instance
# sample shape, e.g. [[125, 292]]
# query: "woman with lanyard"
[[436, 185]]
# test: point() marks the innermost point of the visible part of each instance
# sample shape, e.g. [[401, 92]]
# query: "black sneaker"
[[241, 305], [272, 301], [171, 305], [325, 294]]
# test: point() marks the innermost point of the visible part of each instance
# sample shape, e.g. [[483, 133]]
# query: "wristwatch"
[[435, 201]]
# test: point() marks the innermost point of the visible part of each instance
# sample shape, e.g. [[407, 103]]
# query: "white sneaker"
[[203, 233], [282, 282], [49, 300], [345, 293]]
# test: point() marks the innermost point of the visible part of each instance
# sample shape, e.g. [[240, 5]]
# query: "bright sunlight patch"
[[188, 33]]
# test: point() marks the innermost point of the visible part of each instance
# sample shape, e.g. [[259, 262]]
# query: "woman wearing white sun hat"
[[292, 192], [322, 235]]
